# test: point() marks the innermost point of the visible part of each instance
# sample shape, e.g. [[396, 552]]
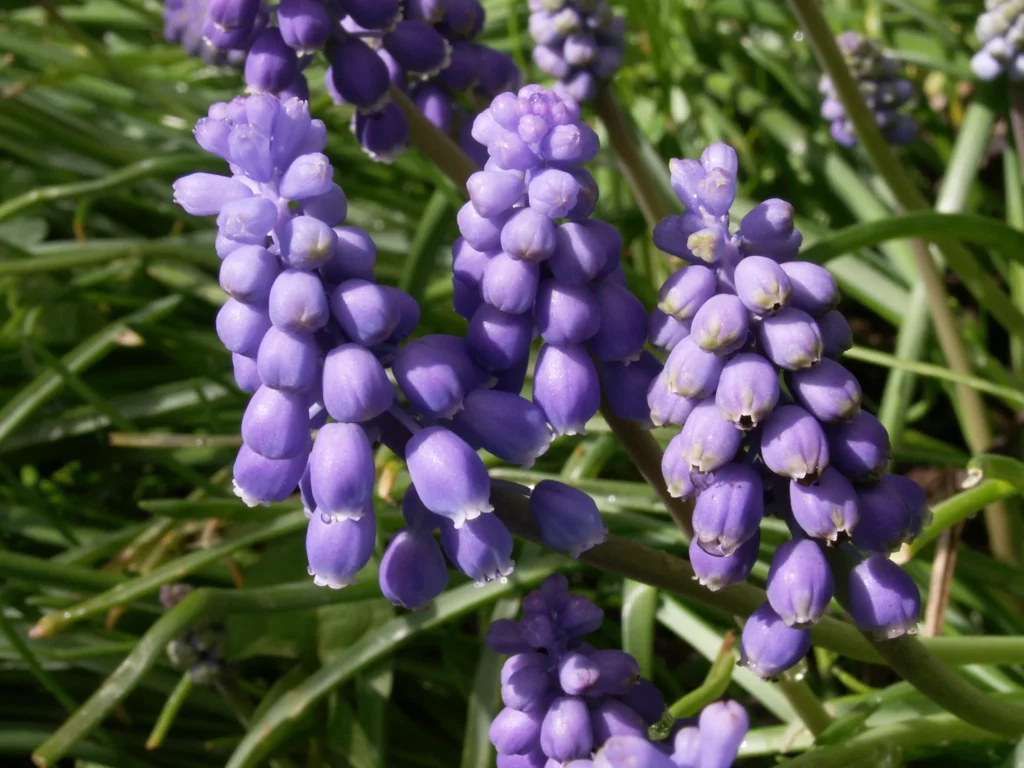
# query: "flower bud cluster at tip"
[[568, 703], [1000, 30], [200, 648], [885, 92], [579, 42], [312, 335], [770, 421]]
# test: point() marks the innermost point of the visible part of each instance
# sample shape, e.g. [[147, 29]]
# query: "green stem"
[[48, 573], [714, 686], [434, 144], [28, 658], [170, 711], [960, 507], [804, 702], [1014, 186]]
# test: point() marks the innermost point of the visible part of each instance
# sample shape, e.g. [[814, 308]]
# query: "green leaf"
[[639, 603]]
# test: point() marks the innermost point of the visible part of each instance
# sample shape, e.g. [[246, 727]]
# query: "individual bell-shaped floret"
[[449, 476], [288, 361], [768, 222], [436, 373], [247, 220], [718, 571], [579, 617], [276, 423], [916, 501], [581, 252], [341, 471], [567, 517], [355, 256], [413, 571], [514, 732], [693, 372], [418, 47], [573, 143], [614, 718], [793, 444], [246, 372], [768, 647], [709, 442], [337, 551], [836, 335], [494, 192], [505, 424], [525, 681], [626, 385], [205, 194], [827, 390], [566, 314], [554, 193], [248, 273], [686, 747], [528, 235], [728, 512], [791, 339], [747, 391], [721, 324], [308, 176], [859, 448], [241, 327], [417, 517], [623, 327], [723, 725], [665, 406], [761, 285], [271, 65], [510, 284], [686, 291], [368, 313], [481, 232], [298, 302], [577, 673], [481, 548], [499, 340], [355, 385], [259, 480], [623, 751], [384, 133], [358, 74], [646, 700], [827, 508], [885, 519], [800, 584], [374, 14], [305, 24], [291, 130], [566, 387], [565, 734], [619, 671], [814, 289], [883, 599]]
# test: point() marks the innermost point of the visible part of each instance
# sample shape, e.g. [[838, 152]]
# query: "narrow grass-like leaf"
[[639, 602]]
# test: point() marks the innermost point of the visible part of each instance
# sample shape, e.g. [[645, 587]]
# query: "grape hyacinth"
[[748, 318], [1000, 30], [311, 335], [579, 42], [883, 90], [568, 703]]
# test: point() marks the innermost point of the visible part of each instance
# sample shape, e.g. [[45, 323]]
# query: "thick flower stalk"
[[885, 92], [579, 42], [569, 703], [1000, 30], [311, 335], [740, 320]]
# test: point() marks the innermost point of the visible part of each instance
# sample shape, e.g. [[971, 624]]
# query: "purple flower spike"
[[248, 273], [623, 328], [577, 674], [494, 192], [449, 477], [626, 386], [481, 232], [567, 517], [762, 285], [748, 390], [791, 339], [793, 444], [800, 584], [307, 243], [338, 551], [481, 548], [566, 387], [298, 302], [827, 508], [883, 599], [341, 471], [613, 718], [814, 289], [418, 47], [721, 324], [259, 480], [728, 512], [885, 519], [627, 751], [685, 291], [709, 441], [247, 220], [497, 340], [718, 571], [413, 571], [516, 733], [241, 327], [827, 390], [768, 647], [368, 313], [246, 373], [665, 332], [355, 386], [580, 253], [528, 235], [505, 424], [435, 373], [565, 734], [665, 406], [836, 336], [305, 24], [723, 725], [691, 371], [204, 194], [359, 75], [276, 424], [510, 284], [554, 193], [566, 314], [271, 65], [355, 256], [860, 447], [288, 361], [675, 468]]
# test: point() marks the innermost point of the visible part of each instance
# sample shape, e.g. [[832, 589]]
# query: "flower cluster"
[[884, 92], [568, 703], [1000, 30], [739, 317], [580, 42], [200, 648]]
